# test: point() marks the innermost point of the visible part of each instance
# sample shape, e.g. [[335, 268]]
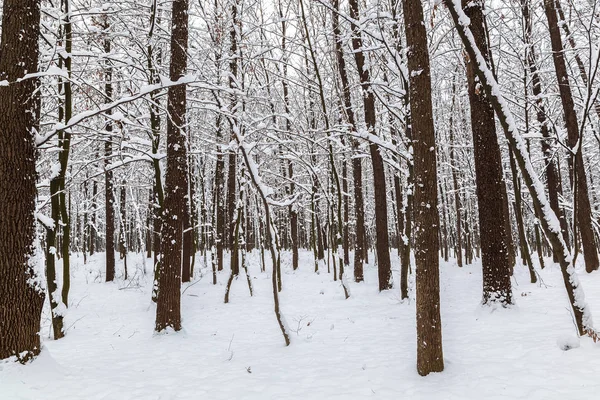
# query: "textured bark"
[[168, 312], [493, 214], [380, 192], [21, 296], [576, 166], [429, 325]]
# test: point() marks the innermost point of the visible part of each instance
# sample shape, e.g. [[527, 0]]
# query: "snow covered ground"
[[364, 347]]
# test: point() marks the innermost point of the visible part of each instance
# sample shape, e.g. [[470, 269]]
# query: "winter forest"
[[285, 199]]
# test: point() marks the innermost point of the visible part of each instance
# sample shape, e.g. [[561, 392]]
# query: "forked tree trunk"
[[429, 325], [21, 296]]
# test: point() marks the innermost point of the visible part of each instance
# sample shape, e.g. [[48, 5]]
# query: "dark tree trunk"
[[379, 183], [525, 253], [219, 201], [123, 226], [93, 235], [149, 233], [235, 29], [346, 228], [453, 165], [493, 235], [359, 213], [429, 325], [188, 237], [21, 296], [168, 312], [108, 175], [576, 166]]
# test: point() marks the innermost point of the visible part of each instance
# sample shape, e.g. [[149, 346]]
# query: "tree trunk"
[[494, 239], [123, 227], [381, 223], [575, 142], [168, 312], [21, 296], [525, 253], [454, 167], [108, 174], [429, 325]]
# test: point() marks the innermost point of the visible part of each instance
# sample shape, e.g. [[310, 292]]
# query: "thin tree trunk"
[[525, 254], [123, 227], [455, 187], [108, 174]]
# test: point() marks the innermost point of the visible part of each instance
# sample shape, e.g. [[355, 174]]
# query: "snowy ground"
[[359, 348]]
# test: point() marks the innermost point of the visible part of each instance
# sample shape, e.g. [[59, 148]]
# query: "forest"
[[273, 199]]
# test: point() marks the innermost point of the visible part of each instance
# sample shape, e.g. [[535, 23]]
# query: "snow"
[[568, 342], [363, 347]]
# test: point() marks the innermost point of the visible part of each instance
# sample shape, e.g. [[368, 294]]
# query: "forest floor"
[[363, 347]]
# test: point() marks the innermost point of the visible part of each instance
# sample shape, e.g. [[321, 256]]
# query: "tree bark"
[[429, 325], [21, 295], [493, 231], [575, 142], [168, 312]]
